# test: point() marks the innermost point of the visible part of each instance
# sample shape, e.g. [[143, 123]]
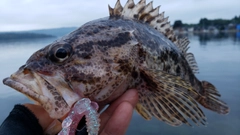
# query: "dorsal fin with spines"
[[147, 14]]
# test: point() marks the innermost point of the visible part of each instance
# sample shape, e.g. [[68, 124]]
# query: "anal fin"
[[210, 99], [161, 95]]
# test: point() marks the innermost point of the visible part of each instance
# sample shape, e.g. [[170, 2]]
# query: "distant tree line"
[[13, 36], [205, 23]]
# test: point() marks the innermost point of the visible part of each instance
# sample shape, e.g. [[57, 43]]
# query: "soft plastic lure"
[[81, 108]]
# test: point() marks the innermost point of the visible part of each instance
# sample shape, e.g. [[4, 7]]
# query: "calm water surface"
[[218, 57]]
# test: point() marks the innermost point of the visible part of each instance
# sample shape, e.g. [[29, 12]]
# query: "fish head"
[[74, 67], [43, 79]]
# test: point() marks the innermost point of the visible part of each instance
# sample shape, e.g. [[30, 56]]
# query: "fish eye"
[[60, 54]]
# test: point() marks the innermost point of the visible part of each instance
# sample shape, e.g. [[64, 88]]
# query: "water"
[[218, 57]]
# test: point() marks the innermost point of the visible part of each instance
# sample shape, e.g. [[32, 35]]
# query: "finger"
[[118, 123], [130, 96]]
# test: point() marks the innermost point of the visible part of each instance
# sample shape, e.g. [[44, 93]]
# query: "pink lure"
[[82, 107]]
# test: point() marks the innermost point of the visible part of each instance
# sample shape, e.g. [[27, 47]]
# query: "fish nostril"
[[26, 71]]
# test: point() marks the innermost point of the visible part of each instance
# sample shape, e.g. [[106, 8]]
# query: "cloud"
[[36, 14]]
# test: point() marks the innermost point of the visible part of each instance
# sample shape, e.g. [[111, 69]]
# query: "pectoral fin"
[[143, 112], [168, 98]]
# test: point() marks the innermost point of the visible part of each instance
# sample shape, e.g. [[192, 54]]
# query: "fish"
[[134, 47]]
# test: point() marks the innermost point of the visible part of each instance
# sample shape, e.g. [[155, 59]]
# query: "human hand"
[[114, 120]]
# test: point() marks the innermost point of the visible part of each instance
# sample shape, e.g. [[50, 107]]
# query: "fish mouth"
[[56, 98]]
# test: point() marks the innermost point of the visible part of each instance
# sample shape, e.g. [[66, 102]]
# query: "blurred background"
[[213, 28]]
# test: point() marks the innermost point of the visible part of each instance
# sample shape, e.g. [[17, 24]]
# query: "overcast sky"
[[18, 15]]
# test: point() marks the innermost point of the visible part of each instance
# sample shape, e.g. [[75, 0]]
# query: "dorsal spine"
[[147, 14]]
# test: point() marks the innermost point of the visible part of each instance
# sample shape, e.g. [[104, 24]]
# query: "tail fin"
[[210, 99]]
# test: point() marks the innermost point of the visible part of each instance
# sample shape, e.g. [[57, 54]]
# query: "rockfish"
[[135, 47]]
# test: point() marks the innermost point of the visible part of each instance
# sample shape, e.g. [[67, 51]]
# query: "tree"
[[177, 24], [204, 22]]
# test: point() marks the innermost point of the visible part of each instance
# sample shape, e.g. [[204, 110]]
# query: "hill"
[[58, 32], [22, 35], [36, 34]]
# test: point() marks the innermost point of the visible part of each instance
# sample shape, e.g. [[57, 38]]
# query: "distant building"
[[238, 27], [238, 31], [213, 29]]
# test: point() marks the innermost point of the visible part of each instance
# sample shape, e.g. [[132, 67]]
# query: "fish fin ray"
[[147, 14], [157, 110], [162, 95], [183, 45], [171, 108], [143, 111], [210, 99]]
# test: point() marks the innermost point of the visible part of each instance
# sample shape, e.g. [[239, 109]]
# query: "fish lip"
[[22, 82], [33, 90], [56, 100], [13, 83]]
